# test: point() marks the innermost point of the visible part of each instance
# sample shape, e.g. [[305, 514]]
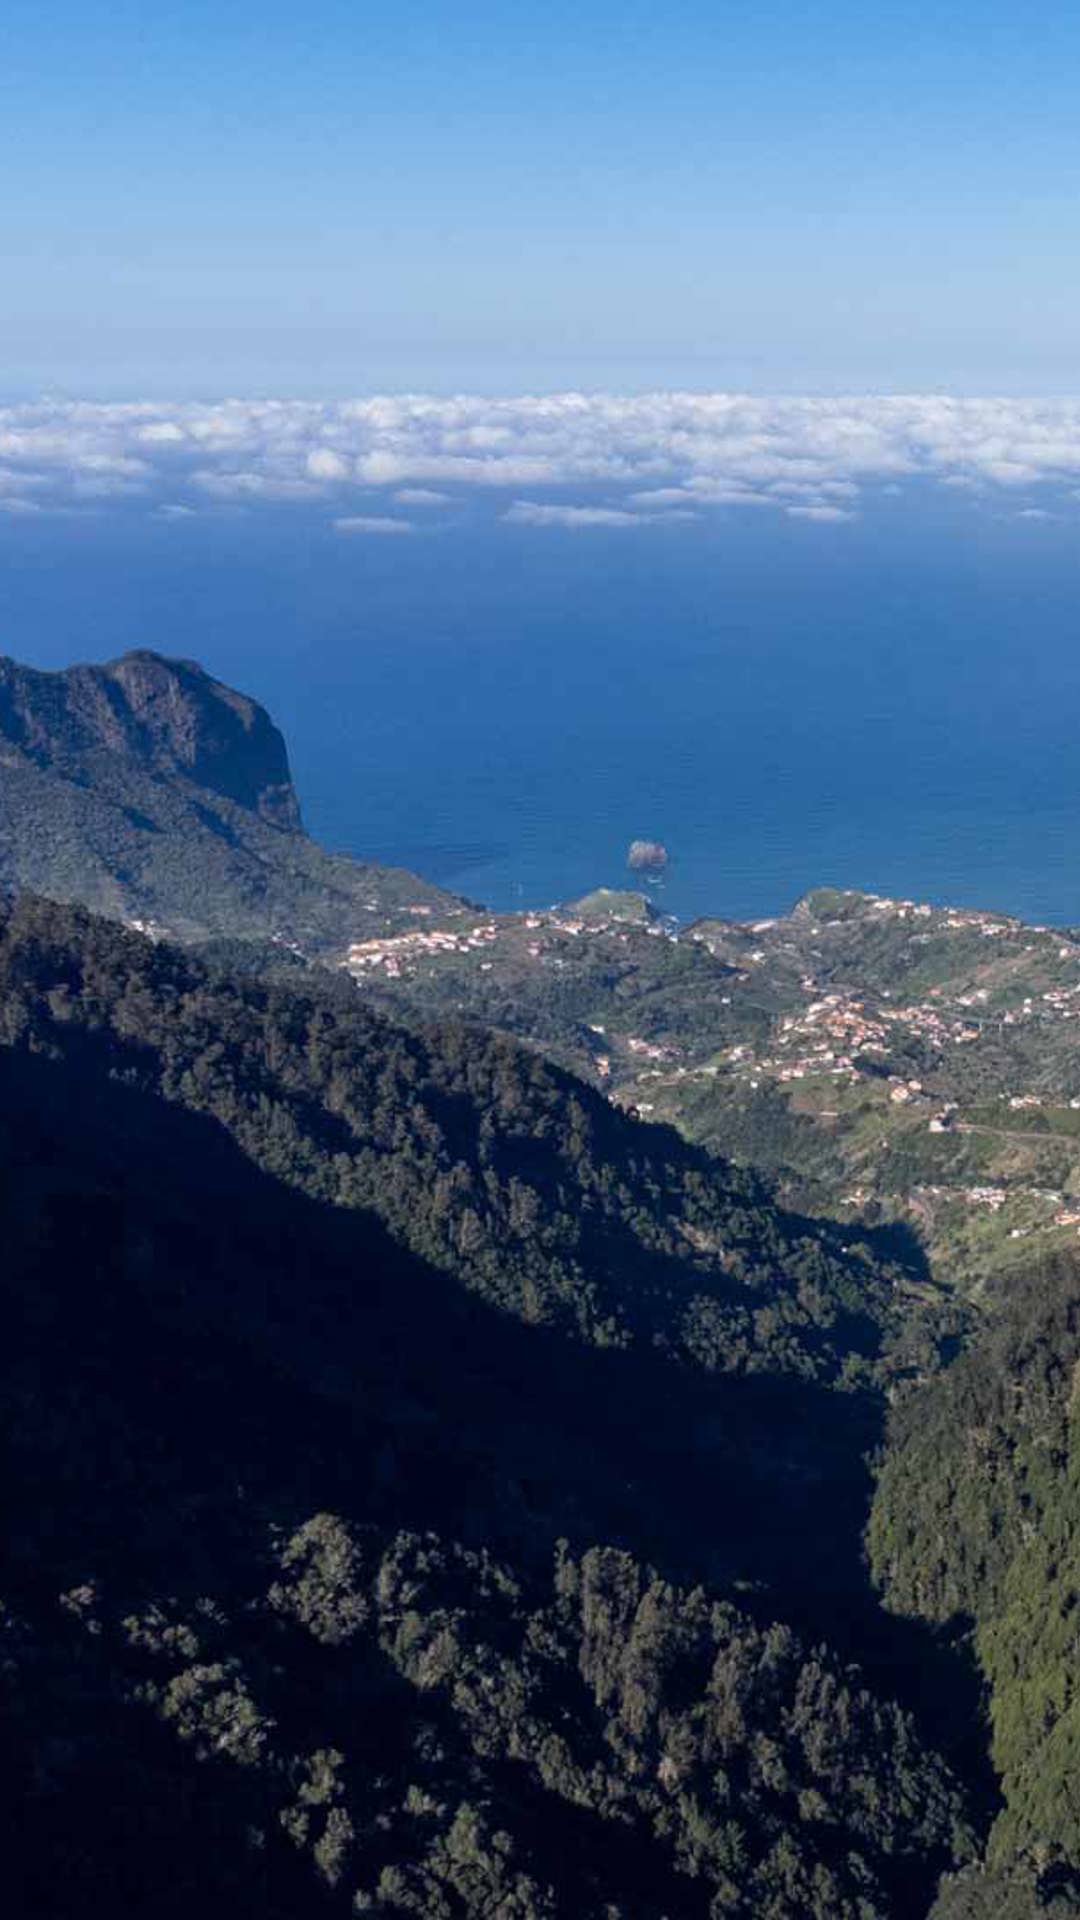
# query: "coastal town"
[[402, 955], [928, 1058]]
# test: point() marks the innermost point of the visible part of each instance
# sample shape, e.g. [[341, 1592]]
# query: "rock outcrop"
[[163, 716], [148, 791]]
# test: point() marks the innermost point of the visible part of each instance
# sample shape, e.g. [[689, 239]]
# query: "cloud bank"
[[533, 513], [377, 523], [636, 459]]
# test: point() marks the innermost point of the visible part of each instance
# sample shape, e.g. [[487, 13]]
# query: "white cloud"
[[12, 481], [533, 513], [371, 523], [664, 497], [104, 486], [819, 513], [384, 468], [641, 455], [112, 465], [530, 513], [253, 486], [324, 464]]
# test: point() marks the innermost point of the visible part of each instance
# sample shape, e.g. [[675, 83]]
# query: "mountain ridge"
[[149, 791], [169, 713]]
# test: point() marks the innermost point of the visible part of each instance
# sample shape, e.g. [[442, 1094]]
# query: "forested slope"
[[525, 1184], [977, 1517], [332, 1580]]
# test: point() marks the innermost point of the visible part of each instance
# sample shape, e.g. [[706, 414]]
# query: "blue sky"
[[341, 198]]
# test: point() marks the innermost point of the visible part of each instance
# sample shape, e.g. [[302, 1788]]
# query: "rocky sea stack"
[[647, 856]]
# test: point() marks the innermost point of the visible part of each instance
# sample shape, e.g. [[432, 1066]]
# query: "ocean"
[[891, 703]]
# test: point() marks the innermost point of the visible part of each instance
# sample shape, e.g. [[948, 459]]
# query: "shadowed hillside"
[[327, 1576]]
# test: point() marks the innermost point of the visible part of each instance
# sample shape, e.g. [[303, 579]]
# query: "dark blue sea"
[[891, 703]]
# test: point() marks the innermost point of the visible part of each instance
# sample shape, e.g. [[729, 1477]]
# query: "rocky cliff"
[[148, 791], [164, 716]]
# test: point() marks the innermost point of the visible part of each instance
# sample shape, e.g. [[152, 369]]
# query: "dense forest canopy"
[[485, 1159], [372, 1576], [976, 1519]]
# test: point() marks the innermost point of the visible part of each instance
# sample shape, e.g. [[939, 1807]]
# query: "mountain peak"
[[167, 716], [145, 789]]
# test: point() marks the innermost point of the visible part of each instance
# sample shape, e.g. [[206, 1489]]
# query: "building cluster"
[[832, 1032], [992, 1198], [949, 919], [827, 1035], [397, 954], [534, 936], [648, 1049]]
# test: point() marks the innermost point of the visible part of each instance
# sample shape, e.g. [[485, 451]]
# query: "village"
[[400, 956], [794, 1026]]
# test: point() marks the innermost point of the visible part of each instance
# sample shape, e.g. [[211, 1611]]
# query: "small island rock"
[[647, 856]]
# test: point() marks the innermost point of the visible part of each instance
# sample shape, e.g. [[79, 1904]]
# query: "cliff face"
[[164, 716], [148, 791]]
